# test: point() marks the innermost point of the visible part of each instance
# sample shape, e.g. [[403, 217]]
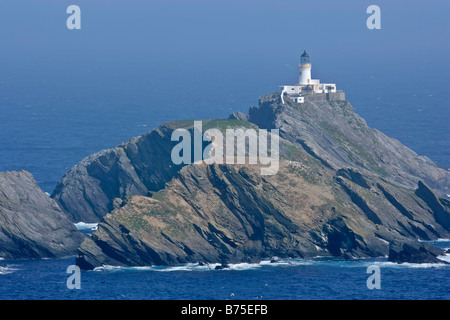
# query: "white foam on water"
[[445, 257], [186, 267], [389, 264], [109, 268], [243, 266], [86, 226], [437, 240], [231, 266], [181, 267], [7, 270], [291, 262]]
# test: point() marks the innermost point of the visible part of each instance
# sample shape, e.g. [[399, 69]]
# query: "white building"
[[306, 85]]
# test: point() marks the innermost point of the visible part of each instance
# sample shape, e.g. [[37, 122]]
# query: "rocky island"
[[31, 223], [342, 189]]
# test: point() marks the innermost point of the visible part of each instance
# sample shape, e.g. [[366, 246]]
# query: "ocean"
[[55, 111], [292, 279], [47, 127]]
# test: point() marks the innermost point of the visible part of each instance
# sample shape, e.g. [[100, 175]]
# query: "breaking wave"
[[291, 262], [437, 240], [83, 226], [202, 267], [7, 270], [382, 262], [215, 266]]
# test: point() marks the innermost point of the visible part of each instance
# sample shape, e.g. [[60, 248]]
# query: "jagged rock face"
[[141, 166], [86, 192], [414, 252], [343, 189], [31, 223], [337, 136], [230, 213]]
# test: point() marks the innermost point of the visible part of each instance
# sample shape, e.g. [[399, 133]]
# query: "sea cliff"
[[342, 189], [31, 223]]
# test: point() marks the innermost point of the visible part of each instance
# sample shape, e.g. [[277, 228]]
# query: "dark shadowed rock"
[[31, 223], [439, 207], [414, 252], [238, 116], [221, 267], [87, 191]]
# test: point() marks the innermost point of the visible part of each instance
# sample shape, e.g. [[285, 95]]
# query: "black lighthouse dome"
[[304, 57]]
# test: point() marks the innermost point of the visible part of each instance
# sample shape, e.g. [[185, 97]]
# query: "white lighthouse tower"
[[308, 88], [305, 70]]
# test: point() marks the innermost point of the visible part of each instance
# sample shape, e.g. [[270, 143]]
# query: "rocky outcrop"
[[337, 136], [230, 213], [220, 213], [31, 223], [141, 166], [342, 189], [238, 116], [414, 252], [328, 131], [439, 207]]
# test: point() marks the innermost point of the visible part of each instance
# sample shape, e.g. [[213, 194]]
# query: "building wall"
[[323, 97], [328, 87], [334, 96], [316, 97], [320, 95], [298, 99], [292, 89]]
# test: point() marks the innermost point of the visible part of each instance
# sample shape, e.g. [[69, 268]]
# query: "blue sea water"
[[64, 96], [293, 279], [53, 128]]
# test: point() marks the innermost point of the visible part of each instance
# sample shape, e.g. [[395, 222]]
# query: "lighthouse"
[[305, 70], [310, 89]]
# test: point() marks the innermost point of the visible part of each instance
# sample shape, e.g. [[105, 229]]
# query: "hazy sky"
[[236, 31], [256, 42], [135, 64]]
